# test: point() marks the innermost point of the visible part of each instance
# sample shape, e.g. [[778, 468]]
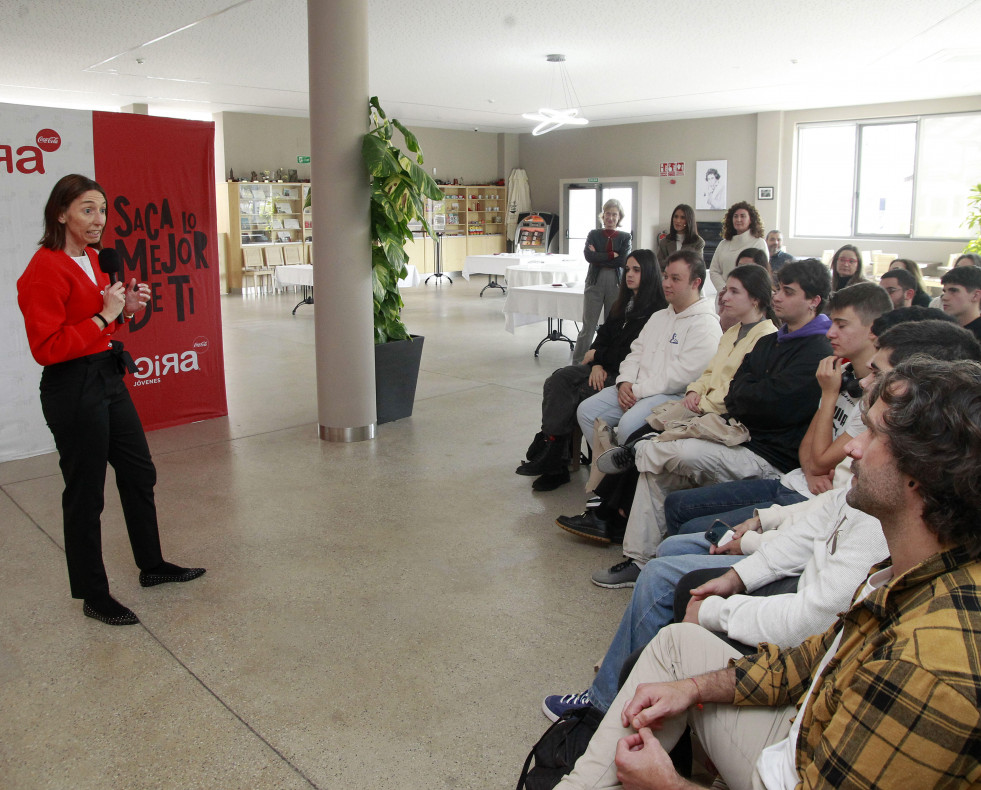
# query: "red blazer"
[[58, 301]]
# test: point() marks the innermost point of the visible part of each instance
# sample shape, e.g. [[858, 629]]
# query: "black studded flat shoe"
[[109, 611], [167, 573]]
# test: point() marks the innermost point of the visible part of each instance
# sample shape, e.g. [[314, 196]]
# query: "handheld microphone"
[[112, 264]]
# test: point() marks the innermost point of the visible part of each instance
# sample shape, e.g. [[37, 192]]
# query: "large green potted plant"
[[399, 189]]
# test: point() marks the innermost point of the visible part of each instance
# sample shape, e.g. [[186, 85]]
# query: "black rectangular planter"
[[396, 373]]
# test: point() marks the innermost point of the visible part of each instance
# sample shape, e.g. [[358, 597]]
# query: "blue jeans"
[[605, 404], [695, 509], [651, 608]]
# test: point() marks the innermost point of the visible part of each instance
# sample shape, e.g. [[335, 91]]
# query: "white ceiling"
[[481, 64]]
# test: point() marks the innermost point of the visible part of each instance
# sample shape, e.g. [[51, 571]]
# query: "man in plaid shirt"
[[889, 697]]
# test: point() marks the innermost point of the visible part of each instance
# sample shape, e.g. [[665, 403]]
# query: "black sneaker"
[[586, 525]]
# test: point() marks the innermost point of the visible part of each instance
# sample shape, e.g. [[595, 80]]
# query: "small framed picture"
[[764, 193]]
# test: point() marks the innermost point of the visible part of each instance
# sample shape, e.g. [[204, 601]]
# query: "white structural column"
[[344, 326]]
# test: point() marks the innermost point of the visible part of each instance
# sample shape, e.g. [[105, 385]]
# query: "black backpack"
[[557, 750]]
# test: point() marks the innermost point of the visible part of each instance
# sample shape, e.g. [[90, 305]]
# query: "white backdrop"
[[22, 198]]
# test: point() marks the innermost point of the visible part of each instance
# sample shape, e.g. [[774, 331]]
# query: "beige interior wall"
[[470, 156], [638, 150], [267, 142], [264, 142]]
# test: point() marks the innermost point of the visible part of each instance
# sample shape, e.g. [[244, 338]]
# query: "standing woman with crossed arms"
[[70, 312], [606, 252]]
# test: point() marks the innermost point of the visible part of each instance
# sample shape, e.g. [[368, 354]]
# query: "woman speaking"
[[71, 310]]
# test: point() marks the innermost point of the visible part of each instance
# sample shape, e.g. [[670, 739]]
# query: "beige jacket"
[[713, 384]]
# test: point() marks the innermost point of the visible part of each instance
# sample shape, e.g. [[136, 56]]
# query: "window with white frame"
[[895, 178]]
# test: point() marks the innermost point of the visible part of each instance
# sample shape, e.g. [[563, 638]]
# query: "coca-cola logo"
[[48, 140], [200, 344]]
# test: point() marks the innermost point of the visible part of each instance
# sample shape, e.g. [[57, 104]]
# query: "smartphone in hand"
[[719, 534]]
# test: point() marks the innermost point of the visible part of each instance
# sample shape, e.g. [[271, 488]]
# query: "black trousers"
[[89, 410], [562, 393]]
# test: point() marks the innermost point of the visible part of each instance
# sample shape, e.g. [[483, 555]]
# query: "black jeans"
[[89, 410]]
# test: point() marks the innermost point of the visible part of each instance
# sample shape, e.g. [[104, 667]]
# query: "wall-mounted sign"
[[672, 168], [593, 180], [303, 160]]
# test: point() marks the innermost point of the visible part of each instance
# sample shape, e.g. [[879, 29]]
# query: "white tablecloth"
[[297, 274], [302, 274], [546, 273], [498, 264], [533, 303]]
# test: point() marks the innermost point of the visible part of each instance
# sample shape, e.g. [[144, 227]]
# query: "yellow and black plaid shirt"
[[898, 705]]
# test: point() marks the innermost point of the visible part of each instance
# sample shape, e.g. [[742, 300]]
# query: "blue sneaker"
[[555, 706]]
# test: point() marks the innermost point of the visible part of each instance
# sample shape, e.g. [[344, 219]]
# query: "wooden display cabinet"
[[266, 216], [475, 222]]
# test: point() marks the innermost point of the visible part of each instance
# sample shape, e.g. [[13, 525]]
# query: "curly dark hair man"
[[933, 425]]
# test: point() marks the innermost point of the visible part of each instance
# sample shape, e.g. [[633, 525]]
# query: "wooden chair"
[[293, 255], [881, 261], [254, 268], [274, 258]]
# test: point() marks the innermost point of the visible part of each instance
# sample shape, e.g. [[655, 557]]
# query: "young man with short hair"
[[900, 285], [774, 394], [886, 697], [671, 351], [962, 297]]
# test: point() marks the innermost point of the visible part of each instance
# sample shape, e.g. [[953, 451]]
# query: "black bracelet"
[[102, 318]]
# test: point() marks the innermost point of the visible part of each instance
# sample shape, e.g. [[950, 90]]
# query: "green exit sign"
[[593, 180], [303, 160]]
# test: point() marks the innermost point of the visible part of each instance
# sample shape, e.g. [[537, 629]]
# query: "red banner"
[[159, 175]]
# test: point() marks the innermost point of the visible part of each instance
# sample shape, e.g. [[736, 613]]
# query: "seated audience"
[[778, 256], [846, 267], [836, 422], [798, 545], [962, 297], [717, 604], [901, 287], [683, 235], [968, 259], [887, 696], [672, 349], [748, 302], [640, 296], [922, 298], [685, 512], [742, 227], [773, 394]]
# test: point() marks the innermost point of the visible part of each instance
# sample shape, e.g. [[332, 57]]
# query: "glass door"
[[584, 204]]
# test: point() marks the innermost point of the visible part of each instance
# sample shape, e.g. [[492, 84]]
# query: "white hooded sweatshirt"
[[672, 350]]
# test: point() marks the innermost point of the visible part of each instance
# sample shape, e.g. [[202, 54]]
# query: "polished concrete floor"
[[384, 614]]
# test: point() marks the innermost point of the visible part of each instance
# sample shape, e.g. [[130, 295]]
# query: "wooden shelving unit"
[[268, 218], [475, 225]]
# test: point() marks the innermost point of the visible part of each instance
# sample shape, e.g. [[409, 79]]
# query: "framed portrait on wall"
[[710, 185]]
